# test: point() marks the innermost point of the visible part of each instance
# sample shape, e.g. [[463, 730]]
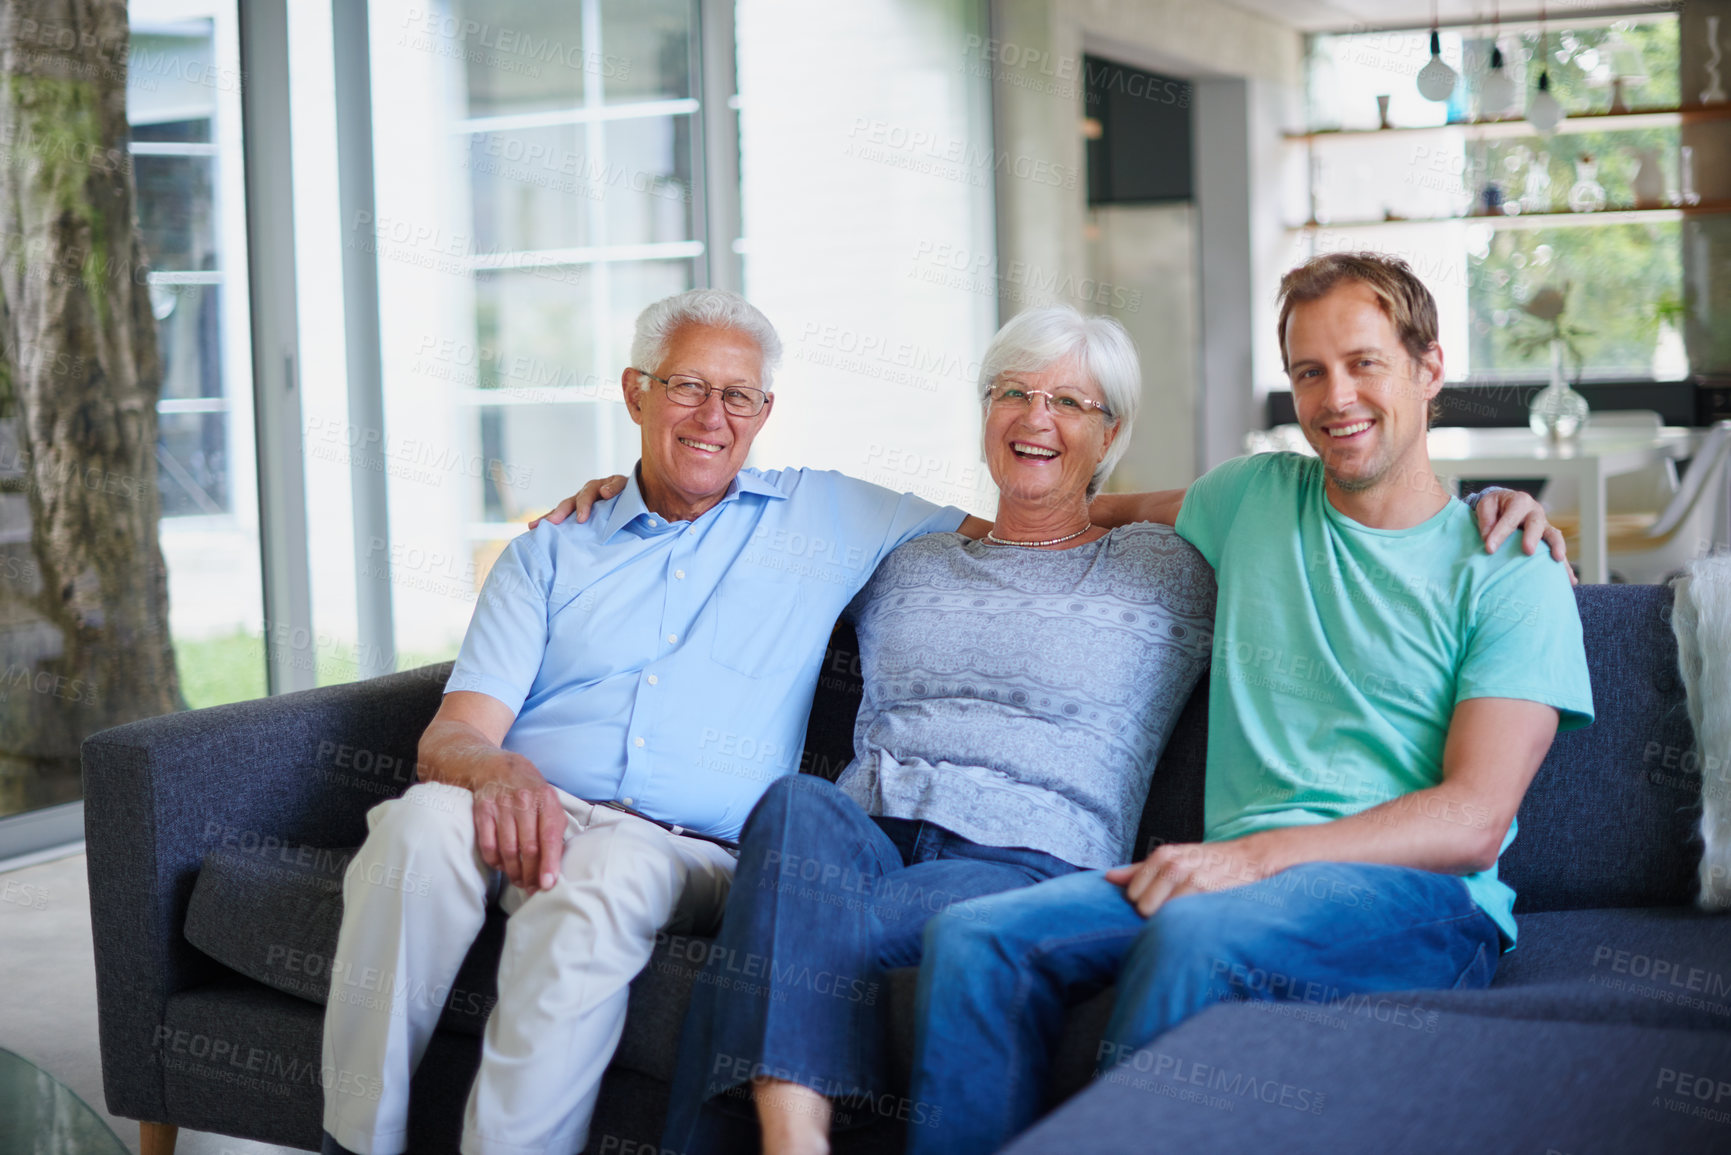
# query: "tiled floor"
[[48, 994]]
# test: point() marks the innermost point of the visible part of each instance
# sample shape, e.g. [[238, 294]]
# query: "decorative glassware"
[[1557, 411], [1587, 195], [1537, 196], [1649, 180], [1319, 202], [1714, 93], [1627, 68]]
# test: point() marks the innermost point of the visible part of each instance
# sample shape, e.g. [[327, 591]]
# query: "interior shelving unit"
[[1514, 127]]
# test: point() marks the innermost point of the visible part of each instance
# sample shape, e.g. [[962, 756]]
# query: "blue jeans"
[[1000, 972], [825, 901]]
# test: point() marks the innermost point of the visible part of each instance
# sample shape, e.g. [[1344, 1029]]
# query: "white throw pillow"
[[1702, 621]]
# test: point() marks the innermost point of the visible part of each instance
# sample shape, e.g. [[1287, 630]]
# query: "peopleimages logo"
[[1660, 970], [1692, 1093], [505, 41], [1167, 1070], [951, 157]]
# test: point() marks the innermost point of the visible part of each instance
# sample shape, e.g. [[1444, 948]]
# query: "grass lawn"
[[231, 669]]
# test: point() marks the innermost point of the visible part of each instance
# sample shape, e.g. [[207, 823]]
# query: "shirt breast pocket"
[[757, 625]]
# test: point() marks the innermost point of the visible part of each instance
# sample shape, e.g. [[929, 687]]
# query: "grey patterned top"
[[1021, 697]]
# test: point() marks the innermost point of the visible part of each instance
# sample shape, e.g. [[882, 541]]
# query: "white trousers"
[[414, 898]]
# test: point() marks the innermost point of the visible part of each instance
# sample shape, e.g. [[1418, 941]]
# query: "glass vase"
[[1587, 195], [1557, 411]]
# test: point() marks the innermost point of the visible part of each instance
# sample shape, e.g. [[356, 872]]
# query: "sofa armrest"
[[298, 769]]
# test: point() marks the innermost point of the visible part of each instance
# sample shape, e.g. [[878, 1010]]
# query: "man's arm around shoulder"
[[519, 822], [1115, 509], [1495, 746]]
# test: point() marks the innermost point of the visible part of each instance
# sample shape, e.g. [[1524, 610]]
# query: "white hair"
[[1039, 338], [717, 308]]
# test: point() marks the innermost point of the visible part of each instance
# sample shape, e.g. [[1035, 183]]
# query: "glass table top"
[[39, 1115]]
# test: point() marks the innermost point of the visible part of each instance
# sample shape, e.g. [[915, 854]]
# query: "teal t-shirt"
[[1340, 651]]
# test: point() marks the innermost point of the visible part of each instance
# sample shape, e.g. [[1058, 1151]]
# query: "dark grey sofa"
[[215, 912]]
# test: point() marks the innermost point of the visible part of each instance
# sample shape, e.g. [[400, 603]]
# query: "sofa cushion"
[[1174, 809], [1240, 1079], [239, 1059], [1610, 817], [272, 913], [1644, 966], [1571, 965]]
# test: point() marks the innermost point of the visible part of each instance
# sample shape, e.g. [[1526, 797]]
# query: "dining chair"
[[1648, 546], [1641, 491]]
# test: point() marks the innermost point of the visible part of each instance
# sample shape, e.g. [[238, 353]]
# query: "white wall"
[[867, 171], [1145, 258], [1036, 60]]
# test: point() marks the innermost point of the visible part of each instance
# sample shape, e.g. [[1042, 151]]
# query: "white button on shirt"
[[573, 615]]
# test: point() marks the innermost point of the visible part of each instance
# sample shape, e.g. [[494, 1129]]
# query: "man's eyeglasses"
[[739, 400], [1062, 402]]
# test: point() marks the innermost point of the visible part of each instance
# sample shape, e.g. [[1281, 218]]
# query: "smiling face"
[[691, 455], [1042, 459], [1361, 396]]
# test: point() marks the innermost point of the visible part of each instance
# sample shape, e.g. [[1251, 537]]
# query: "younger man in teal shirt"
[[1382, 692]]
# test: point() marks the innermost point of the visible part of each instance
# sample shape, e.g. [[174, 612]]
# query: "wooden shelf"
[[1553, 220], [1515, 126]]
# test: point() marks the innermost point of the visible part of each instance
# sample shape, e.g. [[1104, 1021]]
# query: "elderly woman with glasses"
[[1018, 691]]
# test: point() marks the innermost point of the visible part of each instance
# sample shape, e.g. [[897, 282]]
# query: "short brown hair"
[[1404, 298]]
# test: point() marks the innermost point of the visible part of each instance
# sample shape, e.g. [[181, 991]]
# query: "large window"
[[1490, 211], [183, 114], [174, 165], [183, 104], [543, 171], [582, 195], [538, 175]]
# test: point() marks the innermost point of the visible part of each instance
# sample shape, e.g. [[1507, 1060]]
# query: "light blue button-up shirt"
[[670, 665]]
